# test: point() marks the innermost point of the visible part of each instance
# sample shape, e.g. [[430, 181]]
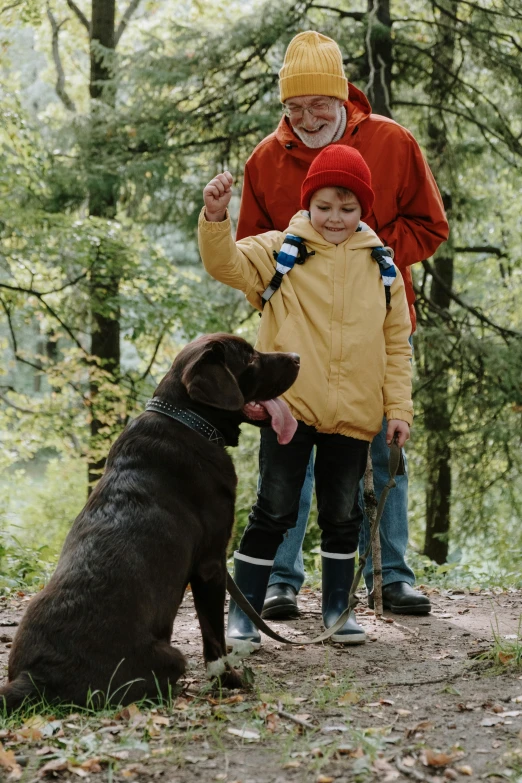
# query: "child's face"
[[333, 216]]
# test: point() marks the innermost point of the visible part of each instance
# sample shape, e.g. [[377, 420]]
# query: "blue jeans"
[[288, 565]]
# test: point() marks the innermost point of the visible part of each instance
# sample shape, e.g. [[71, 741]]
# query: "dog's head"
[[224, 372]]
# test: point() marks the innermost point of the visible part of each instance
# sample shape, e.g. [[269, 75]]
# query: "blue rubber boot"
[[337, 577], [251, 575]]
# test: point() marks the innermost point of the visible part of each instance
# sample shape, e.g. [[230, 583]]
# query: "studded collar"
[[189, 418]]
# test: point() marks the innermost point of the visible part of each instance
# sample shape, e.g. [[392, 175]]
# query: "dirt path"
[[412, 704]]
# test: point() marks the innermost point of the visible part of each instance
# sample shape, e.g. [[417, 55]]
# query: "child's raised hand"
[[217, 195], [399, 428]]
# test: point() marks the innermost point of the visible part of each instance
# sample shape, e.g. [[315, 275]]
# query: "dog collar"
[[189, 418]]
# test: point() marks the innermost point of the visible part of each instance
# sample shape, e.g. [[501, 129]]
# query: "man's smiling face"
[[314, 118]]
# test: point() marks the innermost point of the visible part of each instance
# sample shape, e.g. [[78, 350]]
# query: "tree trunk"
[[437, 413], [438, 425], [379, 56], [104, 280]]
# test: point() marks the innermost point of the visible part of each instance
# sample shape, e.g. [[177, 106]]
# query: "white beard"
[[321, 138]]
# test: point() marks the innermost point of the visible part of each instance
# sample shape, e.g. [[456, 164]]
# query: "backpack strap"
[[384, 258], [293, 251]]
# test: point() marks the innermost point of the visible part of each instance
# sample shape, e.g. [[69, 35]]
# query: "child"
[[355, 364]]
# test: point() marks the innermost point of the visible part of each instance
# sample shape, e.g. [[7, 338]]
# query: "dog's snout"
[[295, 358]]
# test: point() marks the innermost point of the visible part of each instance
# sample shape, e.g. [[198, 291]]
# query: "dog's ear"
[[207, 379]]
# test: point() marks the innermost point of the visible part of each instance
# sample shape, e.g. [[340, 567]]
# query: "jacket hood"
[[300, 226], [358, 110]]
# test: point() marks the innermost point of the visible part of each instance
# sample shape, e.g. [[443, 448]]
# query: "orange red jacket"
[[408, 214]]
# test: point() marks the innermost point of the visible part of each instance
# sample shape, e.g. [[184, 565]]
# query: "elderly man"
[[321, 108]]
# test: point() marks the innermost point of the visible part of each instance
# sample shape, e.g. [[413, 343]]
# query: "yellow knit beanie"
[[313, 66]]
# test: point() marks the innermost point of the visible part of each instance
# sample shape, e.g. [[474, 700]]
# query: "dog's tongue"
[[282, 421]]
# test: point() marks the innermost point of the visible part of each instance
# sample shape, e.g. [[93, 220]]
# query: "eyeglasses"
[[315, 109]]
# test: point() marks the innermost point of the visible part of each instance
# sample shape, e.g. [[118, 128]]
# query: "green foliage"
[[191, 93]]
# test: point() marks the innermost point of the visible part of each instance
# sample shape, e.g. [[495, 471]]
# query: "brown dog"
[[159, 518]]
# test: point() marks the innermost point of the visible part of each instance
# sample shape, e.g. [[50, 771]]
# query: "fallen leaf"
[[159, 720], [194, 759], [424, 725], [272, 721], [247, 734], [431, 758], [92, 765], [350, 697], [324, 779], [81, 773], [336, 727], [10, 764], [292, 765], [56, 765], [450, 774], [403, 713], [465, 770], [493, 720], [130, 713]]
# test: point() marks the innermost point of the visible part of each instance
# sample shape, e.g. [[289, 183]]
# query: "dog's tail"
[[19, 691]]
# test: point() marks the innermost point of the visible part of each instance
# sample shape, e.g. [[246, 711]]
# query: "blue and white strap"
[[286, 258], [388, 270]]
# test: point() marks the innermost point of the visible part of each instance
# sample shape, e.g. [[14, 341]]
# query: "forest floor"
[[416, 702]]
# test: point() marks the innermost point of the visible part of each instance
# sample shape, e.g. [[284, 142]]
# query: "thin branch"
[[25, 410], [81, 16], [17, 356], [288, 716], [456, 298], [7, 8], [131, 8], [154, 353], [60, 74], [496, 251], [515, 148], [39, 296], [33, 291], [359, 16]]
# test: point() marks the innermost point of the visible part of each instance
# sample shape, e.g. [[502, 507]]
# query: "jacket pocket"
[[287, 338]]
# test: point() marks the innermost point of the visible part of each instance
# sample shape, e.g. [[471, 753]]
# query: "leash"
[[396, 467]]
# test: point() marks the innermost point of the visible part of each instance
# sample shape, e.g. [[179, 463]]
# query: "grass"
[[505, 654]]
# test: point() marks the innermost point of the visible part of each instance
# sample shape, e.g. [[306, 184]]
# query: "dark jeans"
[[339, 466]]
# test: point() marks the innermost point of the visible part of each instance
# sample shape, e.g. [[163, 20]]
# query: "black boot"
[[280, 602], [401, 598], [337, 580], [251, 576]]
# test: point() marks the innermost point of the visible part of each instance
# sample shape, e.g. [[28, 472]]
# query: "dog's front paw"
[[223, 674], [230, 678]]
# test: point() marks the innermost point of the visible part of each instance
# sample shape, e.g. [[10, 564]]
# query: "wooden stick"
[[370, 502]]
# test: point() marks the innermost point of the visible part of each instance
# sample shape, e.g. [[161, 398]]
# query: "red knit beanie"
[[339, 166]]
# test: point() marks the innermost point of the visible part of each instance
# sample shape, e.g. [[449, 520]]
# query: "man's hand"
[[217, 195], [399, 427]]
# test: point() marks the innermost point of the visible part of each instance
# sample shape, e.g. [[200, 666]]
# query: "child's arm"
[[398, 405], [247, 265]]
